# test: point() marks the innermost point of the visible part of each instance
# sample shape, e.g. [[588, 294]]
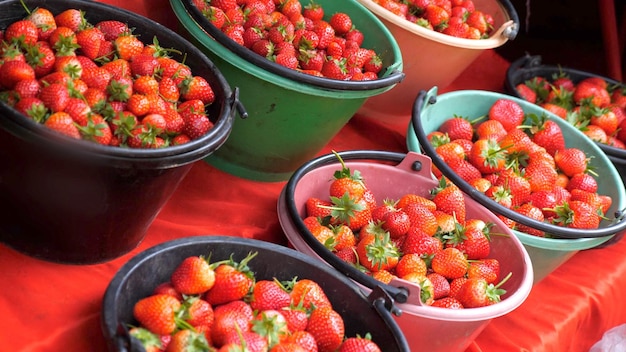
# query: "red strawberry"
[[268, 294], [476, 292], [185, 339], [14, 71], [447, 302], [450, 263], [22, 31], [450, 200], [112, 29], [531, 211], [457, 128], [361, 344], [196, 87], [509, 113], [157, 313], [571, 161], [526, 92], [327, 326], [307, 293], [577, 214], [420, 243], [56, 96], [582, 181], [488, 269], [193, 275], [232, 281], [335, 69], [90, 40], [70, 18], [197, 126], [229, 316]]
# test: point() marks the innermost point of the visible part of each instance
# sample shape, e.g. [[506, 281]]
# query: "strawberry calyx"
[[148, 339], [494, 292], [344, 208], [269, 326], [345, 171], [379, 252]]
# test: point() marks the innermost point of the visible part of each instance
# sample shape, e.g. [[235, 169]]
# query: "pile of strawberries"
[[521, 161], [424, 239], [220, 306], [457, 18], [99, 82], [592, 105], [296, 36]]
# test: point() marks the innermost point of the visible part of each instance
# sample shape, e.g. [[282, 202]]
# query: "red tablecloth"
[[53, 307]]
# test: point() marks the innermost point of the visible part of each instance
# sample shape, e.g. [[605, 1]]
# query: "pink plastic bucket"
[[426, 328], [431, 58]]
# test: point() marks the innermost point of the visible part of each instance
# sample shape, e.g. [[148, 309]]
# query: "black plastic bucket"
[[139, 276], [78, 202]]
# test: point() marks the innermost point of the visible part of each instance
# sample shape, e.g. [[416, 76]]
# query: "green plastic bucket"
[[290, 119], [546, 254]]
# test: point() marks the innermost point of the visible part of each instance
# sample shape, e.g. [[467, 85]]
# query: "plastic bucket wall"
[[79, 202], [528, 66], [289, 121], [361, 314], [426, 328], [431, 58], [546, 253]]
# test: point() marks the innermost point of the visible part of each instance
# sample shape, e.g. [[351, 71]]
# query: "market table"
[[51, 307]]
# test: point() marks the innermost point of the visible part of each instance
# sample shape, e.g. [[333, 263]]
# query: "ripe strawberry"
[[526, 92], [541, 175], [228, 317], [450, 263], [397, 223], [55, 96], [193, 276], [62, 123], [441, 285], [232, 281], [197, 126], [577, 214], [437, 16], [571, 161], [488, 269], [24, 32], [420, 243], [583, 181], [327, 326], [185, 339], [33, 108], [531, 211], [488, 156], [307, 293], [448, 303], [360, 344], [410, 198], [335, 69], [225, 5], [14, 71], [595, 94], [476, 241], [90, 40], [96, 129], [449, 199], [476, 292], [421, 217], [157, 313], [411, 263], [517, 185], [509, 113], [269, 294], [457, 128], [70, 18], [547, 134], [490, 129], [197, 87], [377, 252]]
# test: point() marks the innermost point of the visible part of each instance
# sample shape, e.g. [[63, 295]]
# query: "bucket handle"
[[405, 292], [236, 104], [423, 100], [384, 305], [510, 28]]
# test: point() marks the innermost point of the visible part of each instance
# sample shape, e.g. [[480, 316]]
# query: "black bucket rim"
[[420, 103], [399, 293], [392, 77], [118, 336], [177, 154], [531, 65]]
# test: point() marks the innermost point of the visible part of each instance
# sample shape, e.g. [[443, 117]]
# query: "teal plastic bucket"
[[290, 119], [546, 253]]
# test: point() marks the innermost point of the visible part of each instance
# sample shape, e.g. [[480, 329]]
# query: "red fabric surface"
[[53, 307]]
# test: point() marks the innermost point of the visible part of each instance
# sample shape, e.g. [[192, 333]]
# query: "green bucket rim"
[[204, 38], [558, 244]]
